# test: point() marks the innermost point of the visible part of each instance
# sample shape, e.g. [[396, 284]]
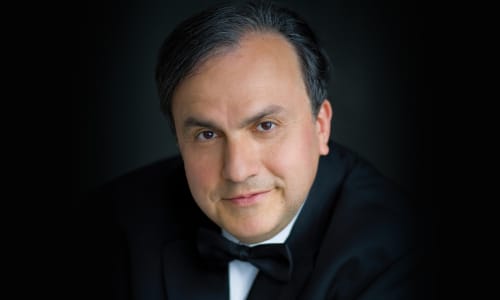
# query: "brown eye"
[[266, 126], [206, 135]]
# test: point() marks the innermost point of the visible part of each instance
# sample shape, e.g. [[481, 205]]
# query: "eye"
[[206, 135], [266, 126]]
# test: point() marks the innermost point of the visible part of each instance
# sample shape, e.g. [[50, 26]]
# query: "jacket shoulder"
[[153, 195], [372, 239]]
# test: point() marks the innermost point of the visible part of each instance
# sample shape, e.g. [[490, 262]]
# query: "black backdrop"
[[377, 89]]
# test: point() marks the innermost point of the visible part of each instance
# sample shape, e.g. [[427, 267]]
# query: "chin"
[[253, 236]]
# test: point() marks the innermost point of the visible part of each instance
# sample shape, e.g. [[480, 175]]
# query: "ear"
[[323, 124]]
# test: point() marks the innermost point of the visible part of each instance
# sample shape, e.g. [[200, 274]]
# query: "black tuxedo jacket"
[[355, 238]]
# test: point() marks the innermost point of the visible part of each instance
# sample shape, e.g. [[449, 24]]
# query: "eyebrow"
[[270, 110]]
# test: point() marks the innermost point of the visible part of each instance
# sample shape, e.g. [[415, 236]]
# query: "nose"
[[240, 160]]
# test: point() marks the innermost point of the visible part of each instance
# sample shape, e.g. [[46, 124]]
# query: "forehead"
[[263, 67]]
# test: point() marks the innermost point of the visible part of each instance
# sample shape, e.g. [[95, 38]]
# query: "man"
[[261, 204]]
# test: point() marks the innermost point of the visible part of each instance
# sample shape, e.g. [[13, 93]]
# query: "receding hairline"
[[219, 30], [226, 49]]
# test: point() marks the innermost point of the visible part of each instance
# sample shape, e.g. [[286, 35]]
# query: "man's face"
[[248, 138]]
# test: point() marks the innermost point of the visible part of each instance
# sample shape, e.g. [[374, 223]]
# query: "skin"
[[248, 138]]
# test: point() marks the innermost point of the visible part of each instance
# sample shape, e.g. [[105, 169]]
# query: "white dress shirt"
[[242, 274]]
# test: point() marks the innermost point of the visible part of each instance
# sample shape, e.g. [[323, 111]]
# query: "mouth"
[[248, 198]]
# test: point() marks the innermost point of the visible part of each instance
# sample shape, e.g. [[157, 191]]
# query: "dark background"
[[377, 89]]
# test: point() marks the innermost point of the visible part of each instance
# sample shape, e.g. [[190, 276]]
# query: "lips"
[[247, 198]]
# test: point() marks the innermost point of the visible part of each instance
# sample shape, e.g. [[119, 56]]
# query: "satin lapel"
[[308, 232], [186, 277]]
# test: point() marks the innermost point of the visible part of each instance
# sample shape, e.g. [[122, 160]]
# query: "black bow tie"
[[274, 260]]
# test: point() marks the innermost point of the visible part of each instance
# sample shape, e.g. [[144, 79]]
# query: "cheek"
[[201, 175], [294, 157]]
